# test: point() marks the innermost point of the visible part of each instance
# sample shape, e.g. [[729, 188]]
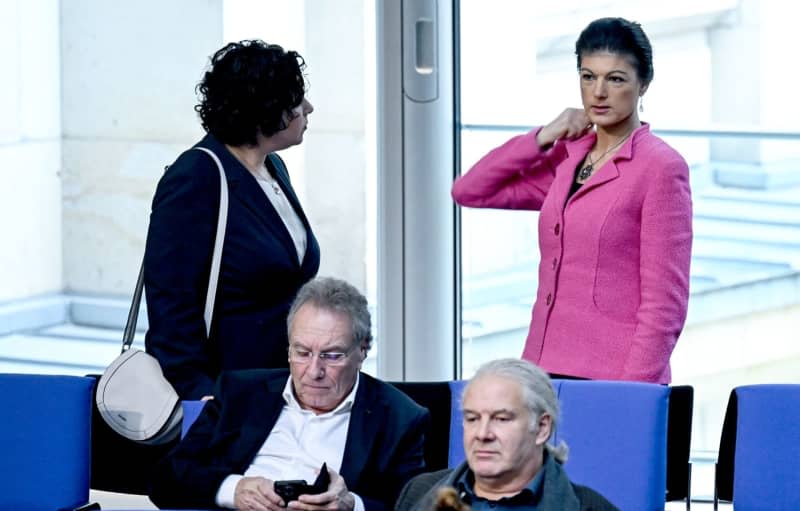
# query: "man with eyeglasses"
[[267, 425]]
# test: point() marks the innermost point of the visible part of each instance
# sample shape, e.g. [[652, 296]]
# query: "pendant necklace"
[[586, 171], [264, 174], [275, 186], [260, 173]]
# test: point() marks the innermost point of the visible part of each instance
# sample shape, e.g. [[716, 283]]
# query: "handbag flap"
[[135, 399]]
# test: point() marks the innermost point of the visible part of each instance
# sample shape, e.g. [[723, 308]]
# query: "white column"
[[335, 153]]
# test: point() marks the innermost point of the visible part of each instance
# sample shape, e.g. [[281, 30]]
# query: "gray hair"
[[538, 395], [338, 296]]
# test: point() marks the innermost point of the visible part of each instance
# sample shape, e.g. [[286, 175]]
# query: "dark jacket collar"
[[367, 418], [557, 493], [244, 187]]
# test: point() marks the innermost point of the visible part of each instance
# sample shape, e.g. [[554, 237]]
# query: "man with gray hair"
[[267, 430], [510, 411]]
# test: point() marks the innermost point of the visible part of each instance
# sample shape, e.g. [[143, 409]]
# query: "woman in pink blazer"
[[615, 228]]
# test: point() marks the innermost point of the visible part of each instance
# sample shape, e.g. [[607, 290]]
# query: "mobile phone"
[[289, 490]]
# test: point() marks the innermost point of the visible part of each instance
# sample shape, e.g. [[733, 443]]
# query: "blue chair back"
[[617, 437], [456, 453], [45, 441], [767, 447], [616, 432], [191, 411]]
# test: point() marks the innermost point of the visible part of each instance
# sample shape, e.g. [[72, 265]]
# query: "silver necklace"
[[259, 172], [275, 186], [264, 174], [586, 171]]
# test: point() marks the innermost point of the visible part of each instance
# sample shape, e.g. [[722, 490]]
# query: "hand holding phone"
[[290, 490]]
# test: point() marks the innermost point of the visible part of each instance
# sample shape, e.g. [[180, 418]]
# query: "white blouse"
[[290, 218]]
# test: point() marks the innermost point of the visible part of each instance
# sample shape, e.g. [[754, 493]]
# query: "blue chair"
[[759, 449], [191, 411], [45, 441], [617, 435], [455, 451]]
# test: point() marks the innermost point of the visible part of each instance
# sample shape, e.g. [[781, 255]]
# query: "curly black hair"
[[618, 35], [251, 87]]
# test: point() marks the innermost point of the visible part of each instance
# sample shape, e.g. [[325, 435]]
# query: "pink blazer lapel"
[[574, 153]]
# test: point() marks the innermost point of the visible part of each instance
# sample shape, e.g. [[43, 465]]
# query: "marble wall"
[[97, 97], [30, 149], [128, 77], [336, 162]]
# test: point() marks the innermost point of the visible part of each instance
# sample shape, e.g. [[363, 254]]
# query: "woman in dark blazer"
[[252, 104]]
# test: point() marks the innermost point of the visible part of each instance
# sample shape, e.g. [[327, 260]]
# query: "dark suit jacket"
[[384, 446], [259, 276]]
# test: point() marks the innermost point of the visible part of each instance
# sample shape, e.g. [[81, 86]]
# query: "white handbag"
[[133, 396]]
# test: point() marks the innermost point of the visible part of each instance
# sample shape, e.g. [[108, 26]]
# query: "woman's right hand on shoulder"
[[571, 123]]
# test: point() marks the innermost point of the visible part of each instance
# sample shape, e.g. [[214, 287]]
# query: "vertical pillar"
[[335, 152]]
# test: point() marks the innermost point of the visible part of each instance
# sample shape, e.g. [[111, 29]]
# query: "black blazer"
[[383, 450], [259, 275]]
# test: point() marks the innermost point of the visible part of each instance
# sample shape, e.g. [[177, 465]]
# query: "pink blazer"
[[614, 270]]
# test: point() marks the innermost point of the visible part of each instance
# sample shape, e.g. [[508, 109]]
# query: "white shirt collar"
[[345, 406]]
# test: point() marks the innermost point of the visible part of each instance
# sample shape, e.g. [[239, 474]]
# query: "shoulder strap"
[[216, 259]]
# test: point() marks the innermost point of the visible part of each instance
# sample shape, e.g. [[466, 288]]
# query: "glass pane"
[[722, 96]]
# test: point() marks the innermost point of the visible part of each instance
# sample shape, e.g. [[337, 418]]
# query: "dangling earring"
[[641, 103]]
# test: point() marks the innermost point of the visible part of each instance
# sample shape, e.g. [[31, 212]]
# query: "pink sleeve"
[[666, 246], [516, 175]]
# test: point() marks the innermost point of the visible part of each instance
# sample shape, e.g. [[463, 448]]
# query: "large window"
[[722, 97]]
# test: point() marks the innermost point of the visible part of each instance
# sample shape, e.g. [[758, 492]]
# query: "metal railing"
[[708, 131]]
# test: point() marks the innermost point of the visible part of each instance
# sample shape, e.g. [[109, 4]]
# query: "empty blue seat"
[[45, 441], [760, 448], [617, 435]]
